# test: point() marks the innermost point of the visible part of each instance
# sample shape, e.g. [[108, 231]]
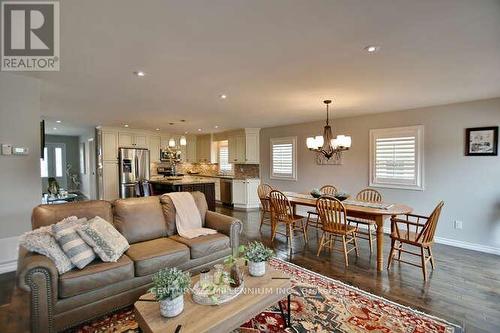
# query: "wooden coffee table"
[[259, 294]]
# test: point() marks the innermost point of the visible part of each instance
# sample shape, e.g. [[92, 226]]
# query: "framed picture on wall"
[[481, 141]]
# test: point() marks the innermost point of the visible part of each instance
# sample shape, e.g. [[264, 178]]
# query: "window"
[[396, 157], [284, 158], [44, 171], [224, 165], [54, 162]]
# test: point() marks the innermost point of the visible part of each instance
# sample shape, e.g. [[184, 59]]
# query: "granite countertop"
[[227, 177], [185, 180]]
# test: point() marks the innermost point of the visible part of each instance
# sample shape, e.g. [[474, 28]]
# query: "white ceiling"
[[276, 60]]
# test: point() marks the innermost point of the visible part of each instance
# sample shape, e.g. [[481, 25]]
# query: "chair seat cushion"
[[95, 275], [360, 220], [204, 245], [150, 256]]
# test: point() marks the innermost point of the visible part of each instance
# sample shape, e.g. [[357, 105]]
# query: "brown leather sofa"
[[58, 301]]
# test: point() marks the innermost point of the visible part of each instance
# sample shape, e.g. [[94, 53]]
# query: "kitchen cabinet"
[[205, 149], [110, 180], [109, 146], [191, 149], [245, 195], [243, 146], [154, 148], [126, 139]]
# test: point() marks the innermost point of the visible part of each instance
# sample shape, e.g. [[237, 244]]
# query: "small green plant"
[[233, 259], [257, 252], [170, 283]]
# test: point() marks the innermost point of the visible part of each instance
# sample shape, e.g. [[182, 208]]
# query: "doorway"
[[53, 165]]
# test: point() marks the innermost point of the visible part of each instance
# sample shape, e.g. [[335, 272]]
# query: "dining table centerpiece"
[[169, 286], [257, 254]]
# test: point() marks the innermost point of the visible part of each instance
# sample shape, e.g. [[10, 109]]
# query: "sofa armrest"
[[38, 275], [226, 225]]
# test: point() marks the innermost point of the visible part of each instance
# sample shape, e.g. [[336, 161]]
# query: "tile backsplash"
[[240, 170]]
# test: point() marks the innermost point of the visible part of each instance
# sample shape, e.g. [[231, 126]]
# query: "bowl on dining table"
[[341, 196], [316, 193]]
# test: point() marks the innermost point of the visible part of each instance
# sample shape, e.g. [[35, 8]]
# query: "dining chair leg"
[[355, 245], [290, 235], [391, 254], [273, 230], [262, 213], [304, 230], [424, 268], [433, 264], [399, 249], [370, 238], [321, 244], [345, 251]]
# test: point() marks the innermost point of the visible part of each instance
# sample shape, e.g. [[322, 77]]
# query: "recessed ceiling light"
[[199, 129], [170, 123], [186, 132], [216, 126], [55, 128], [58, 121], [183, 120], [157, 129], [126, 125], [140, 73], [223, 96], [372, 49]]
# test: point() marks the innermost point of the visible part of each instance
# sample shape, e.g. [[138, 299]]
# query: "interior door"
[[54, 164]]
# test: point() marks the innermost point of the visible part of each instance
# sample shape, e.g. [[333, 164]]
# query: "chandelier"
[[325, 144]]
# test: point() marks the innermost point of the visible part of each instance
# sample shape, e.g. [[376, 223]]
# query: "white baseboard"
[[8, 254]]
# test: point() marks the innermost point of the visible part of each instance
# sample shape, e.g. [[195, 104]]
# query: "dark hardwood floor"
[[464, 288]]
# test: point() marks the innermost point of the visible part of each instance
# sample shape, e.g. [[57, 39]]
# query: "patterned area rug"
[[319, 304]]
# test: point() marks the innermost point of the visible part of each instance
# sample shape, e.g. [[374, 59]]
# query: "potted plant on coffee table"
[[169, 286], [257, 254]]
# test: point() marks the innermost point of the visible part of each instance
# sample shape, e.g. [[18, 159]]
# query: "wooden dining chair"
[[282, 212], [417, 231], [312, 215], [366, 195], [263, 191], [333, 216]]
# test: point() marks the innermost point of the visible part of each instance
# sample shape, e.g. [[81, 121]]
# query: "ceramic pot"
[[257, 268], [172, 307]]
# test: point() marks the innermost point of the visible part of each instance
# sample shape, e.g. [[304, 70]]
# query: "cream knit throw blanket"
[[187, 216]]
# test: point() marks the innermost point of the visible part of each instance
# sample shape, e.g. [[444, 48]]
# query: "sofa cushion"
[[139, 219], [49, 214], [204, 245], [95, 275], [150, 256], [169, 210]]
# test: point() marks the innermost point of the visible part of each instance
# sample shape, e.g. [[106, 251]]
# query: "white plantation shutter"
[[224, 164], [283, 158], [396, 157]]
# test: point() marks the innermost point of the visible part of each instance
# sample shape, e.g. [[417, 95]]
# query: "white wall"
[[470, 186], [19, 175]]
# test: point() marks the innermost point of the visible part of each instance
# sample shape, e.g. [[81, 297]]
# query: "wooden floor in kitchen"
[[464, 288]]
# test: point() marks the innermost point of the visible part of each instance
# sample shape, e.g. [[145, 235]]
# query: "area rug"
[[319, 304]]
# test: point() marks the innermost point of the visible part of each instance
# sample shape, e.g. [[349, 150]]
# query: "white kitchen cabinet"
[[154, 148], [131, 140], [243, 146], [191, 149], [205, 152], [245, 194], [110, 180], [109, 146]]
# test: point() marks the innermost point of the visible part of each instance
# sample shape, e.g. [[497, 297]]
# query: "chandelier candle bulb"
[[182, 141], [171, 143]]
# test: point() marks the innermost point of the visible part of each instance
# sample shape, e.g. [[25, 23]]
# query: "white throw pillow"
[[79, 252], [41, 241], [102, 236]]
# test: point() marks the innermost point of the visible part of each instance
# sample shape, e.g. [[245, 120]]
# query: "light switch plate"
[[6, 149]]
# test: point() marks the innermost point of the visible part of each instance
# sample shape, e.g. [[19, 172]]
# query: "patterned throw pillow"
[[106, 241], [41, 241], [79, 252]]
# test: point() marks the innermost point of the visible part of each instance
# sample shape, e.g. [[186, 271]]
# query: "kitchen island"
[[163, 185]]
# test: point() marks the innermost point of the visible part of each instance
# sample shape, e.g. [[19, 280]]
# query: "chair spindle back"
[[281, 209], [369, 195], [332, 213], [328, 190], [427, 233], [263, 191]]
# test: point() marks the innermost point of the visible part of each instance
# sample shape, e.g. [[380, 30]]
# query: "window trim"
[[419, 132], [288, 139], [225, 144]]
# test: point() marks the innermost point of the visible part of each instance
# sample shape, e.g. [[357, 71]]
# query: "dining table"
[[377, 212]]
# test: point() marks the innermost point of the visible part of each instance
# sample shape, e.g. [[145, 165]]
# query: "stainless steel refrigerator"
[[133, 167]]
